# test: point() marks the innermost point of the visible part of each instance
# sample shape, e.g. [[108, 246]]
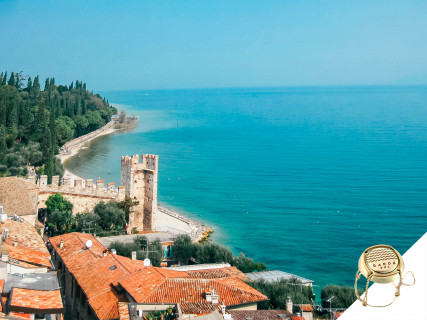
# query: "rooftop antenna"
[[89, 244]]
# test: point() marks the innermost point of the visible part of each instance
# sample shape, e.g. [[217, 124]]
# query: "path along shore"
[[71, 148], [167, 220]]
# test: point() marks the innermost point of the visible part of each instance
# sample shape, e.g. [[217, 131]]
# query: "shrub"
[[344, 296], [111, 216], [278, 292]]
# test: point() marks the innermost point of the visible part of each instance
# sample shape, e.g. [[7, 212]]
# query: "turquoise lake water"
[[303, 179]]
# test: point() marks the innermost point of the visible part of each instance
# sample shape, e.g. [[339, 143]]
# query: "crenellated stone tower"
[[140, 181]]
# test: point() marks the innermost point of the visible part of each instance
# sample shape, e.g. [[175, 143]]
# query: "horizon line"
[[271, 87]]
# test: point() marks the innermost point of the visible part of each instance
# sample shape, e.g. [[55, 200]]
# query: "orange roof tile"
[[198, 308], [94, 272], [123, 311], [19, 315], [35, 301], [306, 307], [24, 234], [30, 256], [98, 275]]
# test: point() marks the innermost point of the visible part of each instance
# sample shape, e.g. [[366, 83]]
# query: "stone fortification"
[[83, 194], [140, 181]]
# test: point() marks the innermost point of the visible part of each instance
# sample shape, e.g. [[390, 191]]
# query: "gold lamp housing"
[[381, 264]]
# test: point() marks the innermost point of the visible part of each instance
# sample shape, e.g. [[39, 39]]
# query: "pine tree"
[[71, 86], [5, 78]]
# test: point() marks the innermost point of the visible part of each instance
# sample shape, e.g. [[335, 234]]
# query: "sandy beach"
[[168, 221], [72, 148]]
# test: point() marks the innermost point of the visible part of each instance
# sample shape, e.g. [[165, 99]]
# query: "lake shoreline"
[[196, 230]]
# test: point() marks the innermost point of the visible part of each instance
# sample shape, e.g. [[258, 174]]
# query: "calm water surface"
[[303, 179]]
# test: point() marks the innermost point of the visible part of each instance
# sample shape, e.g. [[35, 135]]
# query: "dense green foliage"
[[34, 123], [184, 250], [343, 296], [111, 217], [155, 250], [59, 213], [278, 292]]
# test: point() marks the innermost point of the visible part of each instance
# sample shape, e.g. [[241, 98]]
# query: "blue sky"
[[161, 44]]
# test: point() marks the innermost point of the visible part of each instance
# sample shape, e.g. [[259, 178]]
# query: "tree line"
[[34, 123]]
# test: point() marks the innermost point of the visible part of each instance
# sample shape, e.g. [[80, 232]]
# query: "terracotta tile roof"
[[198, 308], [18, 196], [35, 301], [30, 256], [297, 318], [123, 311], [94, 272], [150, 286], [19, 315], [24, 234], [306, 307], [258, 314], [217, 273], [99, 275]]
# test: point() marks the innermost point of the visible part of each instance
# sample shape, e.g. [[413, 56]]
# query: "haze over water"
[[303, 179]]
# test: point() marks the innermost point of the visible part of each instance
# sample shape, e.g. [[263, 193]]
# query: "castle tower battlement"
[[140, 181]]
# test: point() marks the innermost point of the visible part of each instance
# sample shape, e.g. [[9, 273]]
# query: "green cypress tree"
[[11, 81], [36, 84], [71, 86], [46, 84], [3, 109], [5, 78], [29, 85], [3, 146]]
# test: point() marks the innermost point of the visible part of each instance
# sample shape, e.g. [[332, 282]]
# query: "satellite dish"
[[3, 217], [147, 262], [89, 244]]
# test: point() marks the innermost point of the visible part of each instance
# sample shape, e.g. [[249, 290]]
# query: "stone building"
[[140, 181]]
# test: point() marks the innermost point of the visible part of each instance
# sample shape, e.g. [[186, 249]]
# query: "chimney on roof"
[[5, 254], [113, 251], [211, 296], [133, 255], [5, 233], [289, 305], [61, 244], [104, 253], [223, 308], [15, 244]]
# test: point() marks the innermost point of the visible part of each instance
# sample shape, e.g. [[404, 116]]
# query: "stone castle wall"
[[139, 182], [83, 194]]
